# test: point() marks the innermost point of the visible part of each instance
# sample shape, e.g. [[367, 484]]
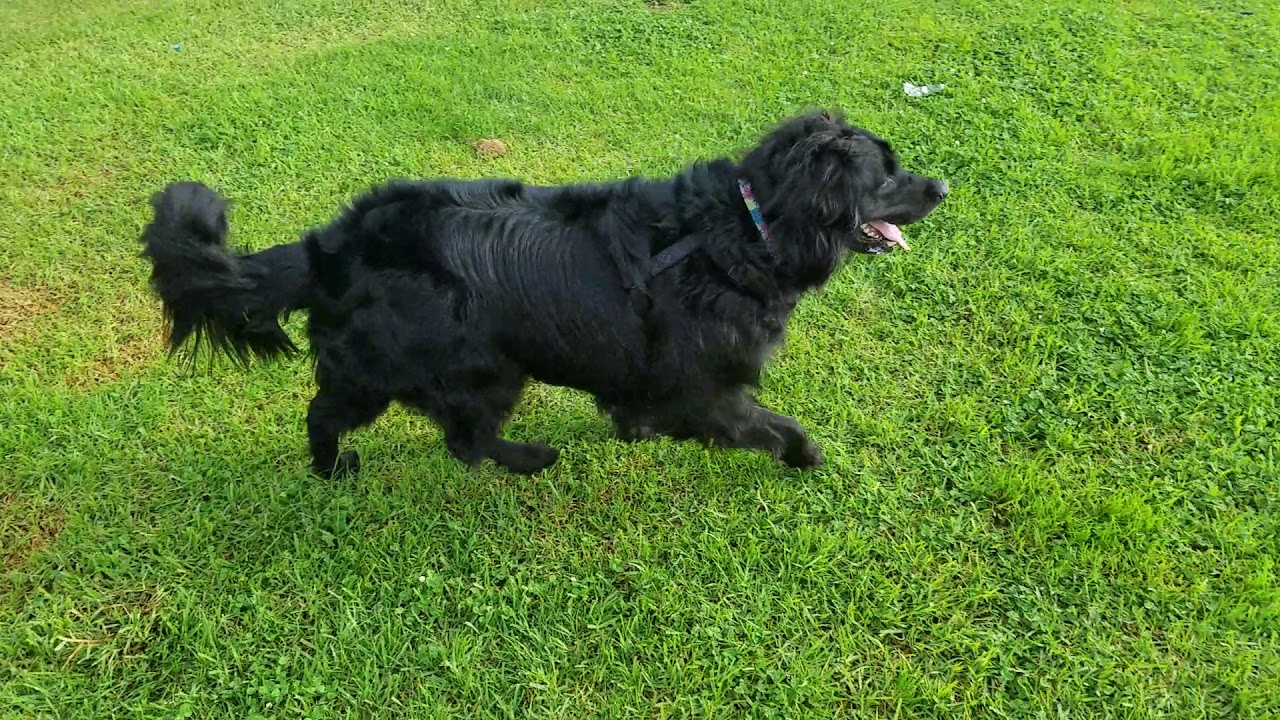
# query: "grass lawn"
[[1052, 431]]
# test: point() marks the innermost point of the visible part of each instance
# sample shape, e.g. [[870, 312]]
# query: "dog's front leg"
[[742, 422]]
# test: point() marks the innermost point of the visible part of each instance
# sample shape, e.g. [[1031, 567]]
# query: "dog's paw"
[[629, 425], [527, 458], [805, 455], [634, 433], [348, 463]]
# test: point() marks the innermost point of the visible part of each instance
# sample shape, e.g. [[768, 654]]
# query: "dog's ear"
[[806, 169], [826, 171]]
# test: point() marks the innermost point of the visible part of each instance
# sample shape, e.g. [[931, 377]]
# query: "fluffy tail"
[[232, 302]]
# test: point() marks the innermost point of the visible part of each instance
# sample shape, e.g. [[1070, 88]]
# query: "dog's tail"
[[232, 302]]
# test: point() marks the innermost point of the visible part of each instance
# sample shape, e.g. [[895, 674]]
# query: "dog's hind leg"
[[630, 424], [472, 414], [332, 413]]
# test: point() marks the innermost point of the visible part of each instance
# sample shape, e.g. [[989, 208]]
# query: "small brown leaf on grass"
[[660, 5], [489, 148]]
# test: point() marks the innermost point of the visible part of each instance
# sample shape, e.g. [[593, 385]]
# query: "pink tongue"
[[890, 233]]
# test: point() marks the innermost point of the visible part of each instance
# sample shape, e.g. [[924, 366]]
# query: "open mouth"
[[884, 236]]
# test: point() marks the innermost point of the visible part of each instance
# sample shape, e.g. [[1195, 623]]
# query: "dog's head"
[[822, 180]]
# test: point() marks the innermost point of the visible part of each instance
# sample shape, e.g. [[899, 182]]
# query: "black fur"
[[448, 295]]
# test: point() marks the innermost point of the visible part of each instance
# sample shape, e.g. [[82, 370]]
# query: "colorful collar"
[[753, 207]]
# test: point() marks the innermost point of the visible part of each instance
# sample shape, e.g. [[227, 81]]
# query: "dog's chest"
[[754, 336]]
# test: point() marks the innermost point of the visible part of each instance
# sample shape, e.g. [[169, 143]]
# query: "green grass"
[[1051, 431]]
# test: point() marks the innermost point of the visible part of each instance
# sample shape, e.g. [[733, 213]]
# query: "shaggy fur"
[[449, 295]]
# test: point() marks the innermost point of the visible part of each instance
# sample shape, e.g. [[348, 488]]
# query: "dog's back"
[[493, 261]]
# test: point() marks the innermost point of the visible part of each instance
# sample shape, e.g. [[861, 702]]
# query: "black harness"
[[671, 256], [676, 252]]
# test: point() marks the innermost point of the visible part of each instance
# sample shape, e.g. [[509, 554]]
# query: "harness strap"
[[681, 249]]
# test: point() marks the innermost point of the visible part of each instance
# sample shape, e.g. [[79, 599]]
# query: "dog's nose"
[[938, 190]]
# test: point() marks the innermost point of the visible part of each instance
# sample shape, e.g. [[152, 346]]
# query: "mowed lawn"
[[1052, 430]]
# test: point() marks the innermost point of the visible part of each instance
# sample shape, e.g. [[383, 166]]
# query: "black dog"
[[663, 298]]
